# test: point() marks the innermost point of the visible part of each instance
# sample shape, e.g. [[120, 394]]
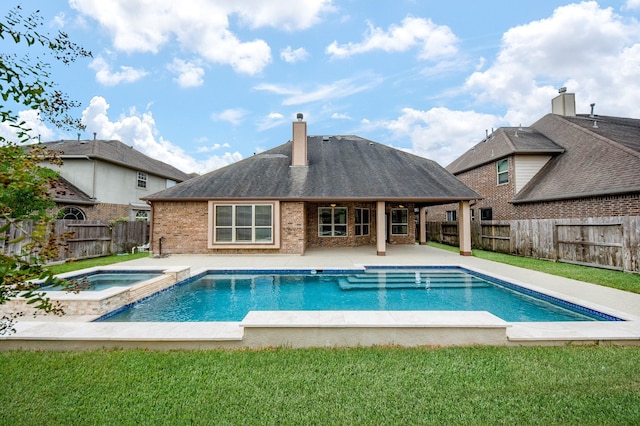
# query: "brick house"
[[106, 180], [566, 188], [565, 165], [313, 191]]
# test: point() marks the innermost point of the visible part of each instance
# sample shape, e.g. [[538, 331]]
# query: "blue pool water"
[[101, 280], [230, 296]]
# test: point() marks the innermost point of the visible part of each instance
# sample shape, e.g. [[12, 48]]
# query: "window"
[[332, 221], [486, 214], [503, 171], [452, 215], [142, 180], [72, 213], [142, 215], [243, 223], [362, 221], [399, 222]]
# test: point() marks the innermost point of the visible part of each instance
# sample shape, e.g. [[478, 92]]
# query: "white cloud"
[[631, 5], [140, 131], [433, 41], [189, 74], [590, 50], [291, 56], [232, 115], [201, 27], [338, 89], [108, 78], [339, 116], [439, 134], [31, 119], [289, 15], [59, 20], [214, 147], [272, 120]]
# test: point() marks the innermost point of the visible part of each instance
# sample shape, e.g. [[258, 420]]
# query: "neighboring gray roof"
[[597, 161], [64, 192], [339, 168], [504, 142], [116, 152]]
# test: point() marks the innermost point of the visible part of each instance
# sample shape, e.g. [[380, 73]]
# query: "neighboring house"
[[566, 188], [106, 180], [313, 191], [562, 166]]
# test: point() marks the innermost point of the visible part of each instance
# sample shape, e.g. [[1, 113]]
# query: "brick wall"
[[351, 240], [184, 228], [484, 181]]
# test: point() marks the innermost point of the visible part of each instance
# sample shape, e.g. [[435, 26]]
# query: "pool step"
[[368, 282]]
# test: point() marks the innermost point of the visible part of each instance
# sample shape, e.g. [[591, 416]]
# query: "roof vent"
[[299, 116], [595, 124], [592, 106], [325, 138]]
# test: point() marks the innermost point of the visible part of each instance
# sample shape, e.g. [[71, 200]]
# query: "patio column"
[[381, 229], [423, 225], [464, 228]]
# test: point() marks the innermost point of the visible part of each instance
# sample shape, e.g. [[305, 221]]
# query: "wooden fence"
[[609, 242], [80, 239]]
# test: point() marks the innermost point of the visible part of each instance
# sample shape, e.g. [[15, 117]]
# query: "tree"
[[26, 81]]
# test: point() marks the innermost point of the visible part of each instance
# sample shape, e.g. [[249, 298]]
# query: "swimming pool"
[[100, 280], [230, 295]]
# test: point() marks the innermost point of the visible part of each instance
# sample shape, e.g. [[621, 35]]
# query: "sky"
[[200, 84]]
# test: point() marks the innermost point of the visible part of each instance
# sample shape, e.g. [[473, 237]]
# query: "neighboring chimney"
[[299, 144], [564, 103]]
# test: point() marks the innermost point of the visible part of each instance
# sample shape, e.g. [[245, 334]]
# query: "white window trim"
[[368, 223], [275, 225], [498, 172], [142, 177], [332, 224], [400, 223]]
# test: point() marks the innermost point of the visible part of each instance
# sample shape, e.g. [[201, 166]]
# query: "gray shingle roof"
[[65, 192], [597, 161], [504, 142], [339, 168], [116, 152]]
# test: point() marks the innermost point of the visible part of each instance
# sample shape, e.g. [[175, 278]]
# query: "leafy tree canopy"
[[26, 81]]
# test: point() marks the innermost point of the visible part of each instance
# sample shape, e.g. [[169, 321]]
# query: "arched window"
[[73, 213], [142, 215]]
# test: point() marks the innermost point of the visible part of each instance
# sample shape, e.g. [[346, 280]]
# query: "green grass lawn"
[[572, 385], [606, 277], [96, 261], [472, 385]]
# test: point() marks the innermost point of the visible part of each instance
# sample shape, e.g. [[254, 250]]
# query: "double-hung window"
[[503, 171], [332, 221], [452, 215], [243, 223], [142, 180], [362, 221], [399, 222]]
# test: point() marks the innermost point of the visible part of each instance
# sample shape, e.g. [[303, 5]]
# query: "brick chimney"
[[299, 144], [564, 103]]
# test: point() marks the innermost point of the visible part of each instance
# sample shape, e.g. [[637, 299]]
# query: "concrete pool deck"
[[346, 328]]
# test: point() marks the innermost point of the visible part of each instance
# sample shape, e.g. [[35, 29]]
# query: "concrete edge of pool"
[[346, 328], [297, 329]]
